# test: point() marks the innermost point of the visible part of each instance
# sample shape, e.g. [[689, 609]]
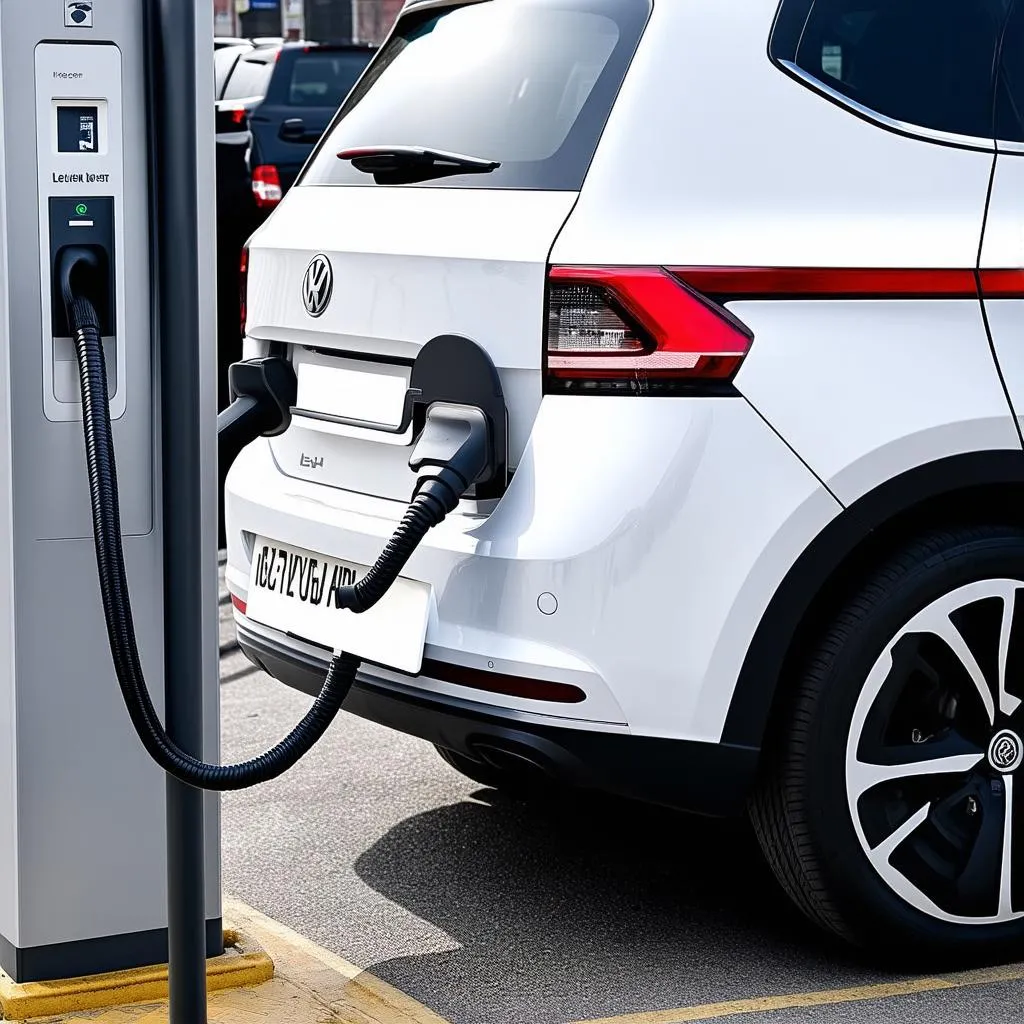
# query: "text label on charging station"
[[80, 179]]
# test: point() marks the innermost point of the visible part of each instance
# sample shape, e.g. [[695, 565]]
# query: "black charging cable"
[[454, 451]]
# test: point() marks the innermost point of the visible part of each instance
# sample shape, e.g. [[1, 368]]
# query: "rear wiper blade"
[[398, 164]]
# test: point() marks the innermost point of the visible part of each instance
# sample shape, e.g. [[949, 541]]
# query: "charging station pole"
[[107, 143], [187, 447]]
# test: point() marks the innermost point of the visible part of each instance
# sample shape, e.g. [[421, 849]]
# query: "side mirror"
[[293, 130]]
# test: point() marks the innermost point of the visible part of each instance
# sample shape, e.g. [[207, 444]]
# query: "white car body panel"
[[1004, 249], [760, 171], [866, 390]]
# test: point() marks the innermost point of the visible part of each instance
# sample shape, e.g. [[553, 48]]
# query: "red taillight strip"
[[238, 603], [1002, 284], [510, 686], [734, 283]]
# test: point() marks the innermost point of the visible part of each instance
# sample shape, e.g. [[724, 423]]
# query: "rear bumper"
[[632, 557], [705, 778]]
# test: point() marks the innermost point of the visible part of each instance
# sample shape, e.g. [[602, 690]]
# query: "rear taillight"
[[637, 329], [243, 287], [266, 186]]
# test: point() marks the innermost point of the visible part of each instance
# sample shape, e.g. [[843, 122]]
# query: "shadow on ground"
[[588, 906]]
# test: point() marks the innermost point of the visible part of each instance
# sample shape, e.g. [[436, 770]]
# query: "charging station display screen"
[[78, 129]]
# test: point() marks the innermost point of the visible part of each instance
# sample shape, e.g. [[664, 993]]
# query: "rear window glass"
[[927, 63], [1010, 97], [224, 61], [527, 83], [324, 79], [250, 78]]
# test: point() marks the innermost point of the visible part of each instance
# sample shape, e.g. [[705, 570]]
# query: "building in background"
[[328, 21], [336, 21], [373, 18]]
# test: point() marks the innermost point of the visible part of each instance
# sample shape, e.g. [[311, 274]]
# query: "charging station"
[[88, 98], [109, 446]]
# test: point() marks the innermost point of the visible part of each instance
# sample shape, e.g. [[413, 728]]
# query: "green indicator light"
[[81, 209]]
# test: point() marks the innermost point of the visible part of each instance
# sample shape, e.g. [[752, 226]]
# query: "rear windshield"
[[224, 61], [324, 79], [249, 79], [528, 83]]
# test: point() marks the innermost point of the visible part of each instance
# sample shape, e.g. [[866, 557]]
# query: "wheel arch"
[[974, 488]]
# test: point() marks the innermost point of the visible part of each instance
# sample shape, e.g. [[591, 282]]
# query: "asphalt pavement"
[[492, 911]]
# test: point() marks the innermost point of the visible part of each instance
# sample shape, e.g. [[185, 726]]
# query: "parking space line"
[[828, 997], [350, 994]]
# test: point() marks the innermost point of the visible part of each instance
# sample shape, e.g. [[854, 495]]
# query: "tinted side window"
[[928, 63], [1010, 93]]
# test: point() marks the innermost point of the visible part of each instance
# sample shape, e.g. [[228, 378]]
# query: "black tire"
[[521, 782], [801, 812]]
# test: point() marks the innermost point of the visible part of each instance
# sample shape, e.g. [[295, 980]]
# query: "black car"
[[234, 144], [290, 92], [236, 213]]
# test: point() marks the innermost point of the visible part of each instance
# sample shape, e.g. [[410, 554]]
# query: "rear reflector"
[[510, 686], [637, 324], [238, 603], [266, 186]]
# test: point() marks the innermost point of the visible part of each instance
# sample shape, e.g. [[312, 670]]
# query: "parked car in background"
[[225, 57], [234, 142], [235, 211], [273, 101], [290, 92]]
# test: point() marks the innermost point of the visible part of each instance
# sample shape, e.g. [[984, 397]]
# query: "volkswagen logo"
[[317, 285], [1006, 752]]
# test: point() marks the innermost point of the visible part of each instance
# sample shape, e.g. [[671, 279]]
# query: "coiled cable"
[[424, 512]]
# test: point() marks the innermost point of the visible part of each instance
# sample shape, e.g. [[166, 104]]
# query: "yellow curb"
[[350, 994], [244, 963]]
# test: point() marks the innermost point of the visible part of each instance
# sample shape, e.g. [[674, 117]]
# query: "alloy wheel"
[[934, 775]]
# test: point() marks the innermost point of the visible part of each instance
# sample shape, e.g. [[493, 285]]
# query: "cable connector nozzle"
[[453, 452]]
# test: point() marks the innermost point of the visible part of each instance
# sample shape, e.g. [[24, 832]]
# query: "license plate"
[[296, 591]]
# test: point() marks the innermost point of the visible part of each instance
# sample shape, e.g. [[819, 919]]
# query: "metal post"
[[173, 110]]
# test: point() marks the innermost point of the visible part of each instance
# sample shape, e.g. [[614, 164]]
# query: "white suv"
[[749, 275]]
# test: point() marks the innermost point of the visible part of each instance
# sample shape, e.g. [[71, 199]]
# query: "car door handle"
[[293, 130]]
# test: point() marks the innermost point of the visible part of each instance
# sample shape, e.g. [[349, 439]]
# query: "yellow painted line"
[[828, 997], [352, 995]]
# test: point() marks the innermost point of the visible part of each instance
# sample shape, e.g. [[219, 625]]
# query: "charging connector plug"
[[453, 452]]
